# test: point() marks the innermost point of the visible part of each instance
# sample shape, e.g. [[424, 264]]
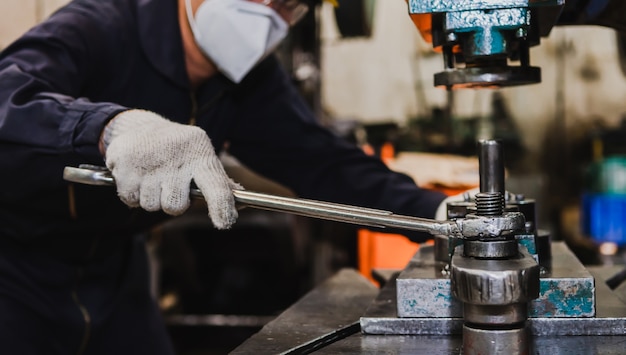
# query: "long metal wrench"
[[96, 175]]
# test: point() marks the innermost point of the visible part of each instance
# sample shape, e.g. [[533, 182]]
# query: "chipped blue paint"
[[429, 298], [410, 303], [564, 298], [431, 6], [486, 21], [557, 298], [528, 241], [567, 292], [487, 28]]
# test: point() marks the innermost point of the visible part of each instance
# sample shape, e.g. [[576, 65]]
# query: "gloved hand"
[[442, 210], [154, 160]]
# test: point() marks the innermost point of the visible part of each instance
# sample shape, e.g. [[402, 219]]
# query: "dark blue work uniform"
[[73, 273]]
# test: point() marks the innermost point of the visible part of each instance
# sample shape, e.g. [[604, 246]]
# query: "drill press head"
[[485, 43]]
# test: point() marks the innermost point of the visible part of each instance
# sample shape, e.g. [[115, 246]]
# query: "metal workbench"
[[327, 321]]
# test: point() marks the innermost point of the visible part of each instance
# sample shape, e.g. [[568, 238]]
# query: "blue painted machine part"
[[487, 28], [433, 6], [484, 20]]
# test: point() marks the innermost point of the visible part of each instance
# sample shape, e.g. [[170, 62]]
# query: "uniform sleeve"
[[278, 136], [42, 76], [46, 122]]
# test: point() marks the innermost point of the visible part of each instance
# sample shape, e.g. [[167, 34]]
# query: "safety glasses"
[[291, 11]]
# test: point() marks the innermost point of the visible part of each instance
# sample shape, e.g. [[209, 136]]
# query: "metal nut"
[[494, 282]]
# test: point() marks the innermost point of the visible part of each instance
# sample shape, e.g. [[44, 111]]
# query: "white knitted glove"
[[154, 160]]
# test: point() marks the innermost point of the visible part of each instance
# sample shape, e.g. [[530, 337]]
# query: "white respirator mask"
[[236, 34]]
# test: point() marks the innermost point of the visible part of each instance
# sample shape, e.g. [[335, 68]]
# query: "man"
[[154, 89]]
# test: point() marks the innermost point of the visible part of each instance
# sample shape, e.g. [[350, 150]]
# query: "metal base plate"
[[328, 308], [610, 316], [566, 289]]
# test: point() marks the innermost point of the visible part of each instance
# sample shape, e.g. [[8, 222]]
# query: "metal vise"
[[495, 277], [499, 291], [479, 39]]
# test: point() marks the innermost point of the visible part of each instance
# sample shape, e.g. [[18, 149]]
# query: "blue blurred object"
[[604, 203], [604, 217]]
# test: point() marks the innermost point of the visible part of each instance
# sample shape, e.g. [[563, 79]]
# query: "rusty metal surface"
[[335, 303], [610, 319], [567, 290]]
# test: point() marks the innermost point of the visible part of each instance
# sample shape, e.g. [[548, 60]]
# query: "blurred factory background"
[[369, 74]]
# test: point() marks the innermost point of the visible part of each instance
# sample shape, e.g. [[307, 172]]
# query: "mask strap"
[[190, 19]]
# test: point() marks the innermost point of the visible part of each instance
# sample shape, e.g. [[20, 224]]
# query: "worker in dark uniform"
[[154, 90]]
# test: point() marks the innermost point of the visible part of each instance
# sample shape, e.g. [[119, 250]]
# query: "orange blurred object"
[[387, 152], [383, 251], [378, 250], [424, 24]]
